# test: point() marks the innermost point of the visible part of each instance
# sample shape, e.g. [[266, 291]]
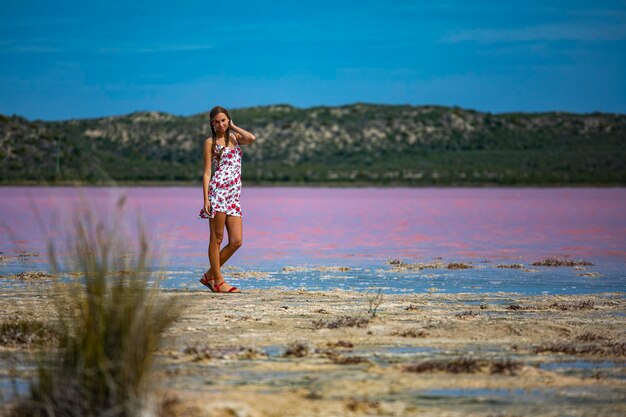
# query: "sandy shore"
[[299, 353]]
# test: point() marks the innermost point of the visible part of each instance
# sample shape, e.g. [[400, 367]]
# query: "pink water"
[[358, 227]]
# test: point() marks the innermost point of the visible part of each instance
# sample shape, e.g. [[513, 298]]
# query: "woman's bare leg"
[[216, 232], [234, 228], [218, 257]]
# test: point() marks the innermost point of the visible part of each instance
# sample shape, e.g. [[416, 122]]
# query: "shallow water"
[[360, 228]]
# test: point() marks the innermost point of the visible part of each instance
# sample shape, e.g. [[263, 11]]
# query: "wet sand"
[[299, 353]]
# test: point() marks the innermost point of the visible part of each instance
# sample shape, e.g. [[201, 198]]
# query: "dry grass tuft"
[[110, 323], [26, 333]]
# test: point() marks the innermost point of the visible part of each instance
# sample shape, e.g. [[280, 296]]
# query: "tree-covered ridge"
[[359, 143]]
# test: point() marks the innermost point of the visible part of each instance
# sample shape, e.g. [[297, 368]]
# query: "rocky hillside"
[[360, 143]]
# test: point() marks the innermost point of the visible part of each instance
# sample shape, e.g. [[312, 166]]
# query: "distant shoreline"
[[304, 185]]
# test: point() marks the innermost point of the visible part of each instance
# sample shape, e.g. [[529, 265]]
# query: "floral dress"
[[225, 185]]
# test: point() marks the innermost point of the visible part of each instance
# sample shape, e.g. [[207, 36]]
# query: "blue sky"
[[73, 59]]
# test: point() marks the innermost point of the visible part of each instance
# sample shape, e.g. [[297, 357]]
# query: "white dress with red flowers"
[[225, 185]]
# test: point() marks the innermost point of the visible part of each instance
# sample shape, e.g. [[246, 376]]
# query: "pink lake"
[[357, 227]]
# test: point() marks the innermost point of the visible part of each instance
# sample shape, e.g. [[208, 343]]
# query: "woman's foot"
[[224, 287], [209, 280]]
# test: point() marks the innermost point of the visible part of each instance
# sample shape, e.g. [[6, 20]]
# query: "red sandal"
[[231, 289], [205, 281]]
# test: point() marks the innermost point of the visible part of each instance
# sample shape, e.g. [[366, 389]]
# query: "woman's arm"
[[206, 178], [243, 136]]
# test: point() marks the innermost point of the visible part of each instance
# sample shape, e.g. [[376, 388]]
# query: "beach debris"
[[394, 261], [295, 269], [333, 268], [26, 254], [341, 344], [363, 406], [590, 274], [343, 321], [510, 266], [458, 265], [466, 314], [398, 265], [323, 268], [483, 306], [554, 261], [417, 266], [582, 305], [349, 360], [250, 274], [411, 307], [515, 307], [504, 366], [205, 352], [453, 366], [200, 353], [26, 333], [297, 349], [411, 333], [466, 365], [231, 268], [33, 276]]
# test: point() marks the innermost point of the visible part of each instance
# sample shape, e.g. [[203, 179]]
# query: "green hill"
[[358, 144]]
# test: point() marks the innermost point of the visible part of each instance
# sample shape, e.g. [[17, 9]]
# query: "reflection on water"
[[361, 228]]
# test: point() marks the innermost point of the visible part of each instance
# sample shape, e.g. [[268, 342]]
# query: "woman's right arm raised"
[[206, 178]]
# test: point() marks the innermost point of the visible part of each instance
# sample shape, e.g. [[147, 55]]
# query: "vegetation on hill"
[[359, 144]]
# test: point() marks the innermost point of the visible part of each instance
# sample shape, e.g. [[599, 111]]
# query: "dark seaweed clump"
[[341, 344], [349, 360], [411, 333], [343, 321], [200, 353], [583, 305], [455, 366], [466, 366], [617, 349], [510, 266], [458, 265], [562, 262], [297, 350], [506, 366]]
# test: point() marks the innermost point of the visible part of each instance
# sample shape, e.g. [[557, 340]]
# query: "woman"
[[221, 193]]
